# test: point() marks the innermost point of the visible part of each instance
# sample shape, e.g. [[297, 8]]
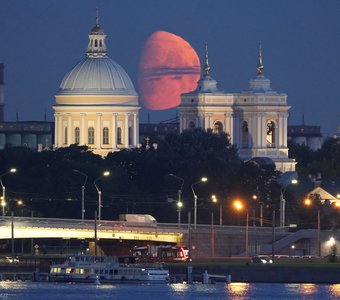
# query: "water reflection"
[[334, 290], [237, 290], [179, 287], [307, 289]]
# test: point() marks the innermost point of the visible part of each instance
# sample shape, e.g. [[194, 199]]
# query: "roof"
[[97, 76]]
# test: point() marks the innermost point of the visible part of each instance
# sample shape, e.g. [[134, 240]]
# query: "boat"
[[107, 269]]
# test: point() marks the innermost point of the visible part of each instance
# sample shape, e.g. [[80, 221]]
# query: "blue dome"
[[97, 76]]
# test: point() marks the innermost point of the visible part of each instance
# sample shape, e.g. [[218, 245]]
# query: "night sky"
[[43, 39]]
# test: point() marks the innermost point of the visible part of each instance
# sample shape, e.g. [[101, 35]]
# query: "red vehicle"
[[168, 253]]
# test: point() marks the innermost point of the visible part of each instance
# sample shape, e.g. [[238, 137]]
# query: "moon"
[[168, 67]]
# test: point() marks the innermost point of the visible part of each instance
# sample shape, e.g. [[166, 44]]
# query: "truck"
[[137, 218]]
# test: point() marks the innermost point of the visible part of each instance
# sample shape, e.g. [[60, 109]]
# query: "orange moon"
[[168, 67]]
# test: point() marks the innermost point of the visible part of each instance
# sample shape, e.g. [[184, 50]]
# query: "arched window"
[[65, 136], [91, 135], [244, 135], [100, 43], [105, 135], [271, 134], [218, 127], [96, 43], [119, 135], [76, 135]]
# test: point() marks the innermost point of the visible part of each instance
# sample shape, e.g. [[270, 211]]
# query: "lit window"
[[65, 136], [76, 135], [91, 135], [270, 134], [119, 135], [105, 135]]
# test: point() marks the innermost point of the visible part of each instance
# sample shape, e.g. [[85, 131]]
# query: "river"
[[12, 290]]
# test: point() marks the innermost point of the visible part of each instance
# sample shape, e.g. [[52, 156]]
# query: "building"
[[97, 104], [35, 135], [306, 135], [256, 119]]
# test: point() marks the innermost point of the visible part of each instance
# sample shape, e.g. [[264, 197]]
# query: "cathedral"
[[97, 104], [255, 120]]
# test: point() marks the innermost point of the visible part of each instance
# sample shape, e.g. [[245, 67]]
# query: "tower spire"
[[97, 17], [96, 47], [260, 64], [206, 66]]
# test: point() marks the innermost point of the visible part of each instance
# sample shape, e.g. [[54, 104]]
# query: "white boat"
[[106, 269]]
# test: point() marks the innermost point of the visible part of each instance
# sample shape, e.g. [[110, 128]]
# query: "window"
[[130, 135], [105, 135], [91, 135], [218, 127], [191, 125], [244, 135], [76, 135], [119, 135], [95, 43], [270, 134], [65, 136]]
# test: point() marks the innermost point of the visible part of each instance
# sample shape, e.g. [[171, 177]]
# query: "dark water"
[[239, 291]]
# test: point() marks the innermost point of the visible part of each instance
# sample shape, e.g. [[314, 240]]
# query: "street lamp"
[[82, 193], [238, 205], [179, 202], [215, 200], [106, 173], [254, 209], [3, 200], [283, 202], [203, 179], [308, 202]]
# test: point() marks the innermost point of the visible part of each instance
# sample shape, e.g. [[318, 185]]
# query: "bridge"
[[29, 227], [206, 240]]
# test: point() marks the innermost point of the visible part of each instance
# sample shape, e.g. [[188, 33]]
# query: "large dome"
[[97, 76]]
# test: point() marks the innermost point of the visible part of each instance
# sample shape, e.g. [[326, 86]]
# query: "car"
[[261, 259], [9, 259]]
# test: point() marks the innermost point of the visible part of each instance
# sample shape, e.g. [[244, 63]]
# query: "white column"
[[99, 131], [69, 129], [206, 122], [60, 130], [279, 131], [231, 127], [56, 120], [264, 130], [114, 131], [135, 130], [82, 128], [285, 130], [126, 131]]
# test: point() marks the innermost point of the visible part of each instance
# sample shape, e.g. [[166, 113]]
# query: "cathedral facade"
[[97, 104], [255, 120]]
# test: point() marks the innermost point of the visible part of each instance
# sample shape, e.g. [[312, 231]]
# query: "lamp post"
[[82, 193], [308, 202], [106, 173], [238, 205], [179, 201], [215, 200], [203, 179], [254, 210], [3, 201], [283, 202]]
